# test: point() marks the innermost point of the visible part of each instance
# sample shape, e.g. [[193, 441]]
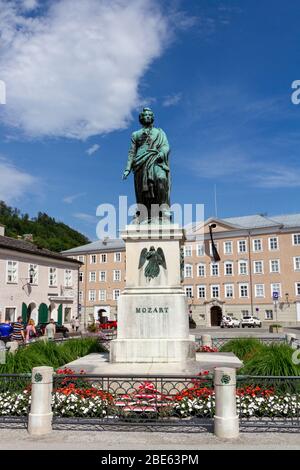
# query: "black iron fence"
[[269, 403], [264, 403], [219, 342], [15, 397], [136, 400]]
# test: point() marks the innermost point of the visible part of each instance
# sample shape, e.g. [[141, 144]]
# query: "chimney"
[[105, 240], [2, 230]]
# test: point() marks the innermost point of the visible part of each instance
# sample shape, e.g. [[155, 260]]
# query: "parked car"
[[230, 322], [40, 329], [251, 322], [109, 325]]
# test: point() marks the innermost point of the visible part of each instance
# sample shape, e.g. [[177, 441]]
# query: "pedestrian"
[[18, 331], [50, 330], [73, 324], [30, 331], [77, 324]]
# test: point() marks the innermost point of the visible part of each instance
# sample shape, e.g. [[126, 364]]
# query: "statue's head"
[[146, 117], [152, 248]]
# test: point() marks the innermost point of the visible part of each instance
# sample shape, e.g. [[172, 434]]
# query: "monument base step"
[[98, 363], [152, 350]]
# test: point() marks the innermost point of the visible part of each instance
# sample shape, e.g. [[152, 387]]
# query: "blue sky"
[[217, 74]]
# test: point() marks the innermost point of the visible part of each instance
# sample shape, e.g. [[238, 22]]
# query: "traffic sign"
[[275, 295]]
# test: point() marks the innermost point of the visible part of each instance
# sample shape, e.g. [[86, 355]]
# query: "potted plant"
[[275, 328]]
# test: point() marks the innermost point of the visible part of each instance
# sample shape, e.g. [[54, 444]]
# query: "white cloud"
[[70, 199], [88, 218], [30, 4], [235, 164], [74, 69], [14, 182], [93, 149], [172, 100]]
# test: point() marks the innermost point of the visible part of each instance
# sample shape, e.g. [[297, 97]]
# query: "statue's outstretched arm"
[[131, 154]]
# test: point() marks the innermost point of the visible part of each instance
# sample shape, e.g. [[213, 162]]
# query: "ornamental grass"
[[49, 353], [243, 348]]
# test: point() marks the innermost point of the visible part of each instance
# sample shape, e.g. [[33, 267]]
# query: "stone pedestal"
[[153, 321]]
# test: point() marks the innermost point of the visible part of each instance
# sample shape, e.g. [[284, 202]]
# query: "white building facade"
[[36, 283]]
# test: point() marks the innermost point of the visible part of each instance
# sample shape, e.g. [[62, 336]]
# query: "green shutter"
[[43, 314], [59, 315], [24, 312]]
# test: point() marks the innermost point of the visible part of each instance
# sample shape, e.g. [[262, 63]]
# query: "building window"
[[269, 315], [229, 291], [296, 239], [187, 251], [67, 315], [215, 291], [243, 290], [10, 314], [242, 246], [93, 259], [243, 267], [245, 313], [12, 272], [257, 244], [188, 270], [276, 288], [80, 276], [33, 274], [117, 257], [52, 277], [92, 295], [117, 275], [80, 296], [81, 258], [201, 270], [297, 263], [259, 290], [273, 243], [228, 269], [103, 258], [68, 278], [214, 269], [188, 291], [102, 276], [92, 277], [201, 292], [228, 248], [258, 267], [102, 295], [116, 294], [297, 288], [200, 249], [275, 266]]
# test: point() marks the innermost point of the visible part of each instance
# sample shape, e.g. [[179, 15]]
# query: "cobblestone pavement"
[[107, 440]]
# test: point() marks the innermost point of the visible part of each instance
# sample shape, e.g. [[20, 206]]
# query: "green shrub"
[[243, 348], [275, 359], [49, 353]]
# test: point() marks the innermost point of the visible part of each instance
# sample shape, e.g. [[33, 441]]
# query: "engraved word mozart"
[[152, 310]]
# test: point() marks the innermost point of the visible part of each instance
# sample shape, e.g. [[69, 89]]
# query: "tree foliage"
[[46, 231]]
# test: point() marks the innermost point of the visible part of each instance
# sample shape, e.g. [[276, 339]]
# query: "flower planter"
[[275, 329]]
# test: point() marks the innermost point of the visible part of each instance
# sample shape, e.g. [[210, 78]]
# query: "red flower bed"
[[254, 391], [207, 349]]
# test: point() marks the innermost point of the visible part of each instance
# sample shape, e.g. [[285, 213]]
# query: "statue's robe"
[[148, 158]]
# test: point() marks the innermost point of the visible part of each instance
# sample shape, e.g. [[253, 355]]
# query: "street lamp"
[[215, 253], [31, 274], [287, 299]]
